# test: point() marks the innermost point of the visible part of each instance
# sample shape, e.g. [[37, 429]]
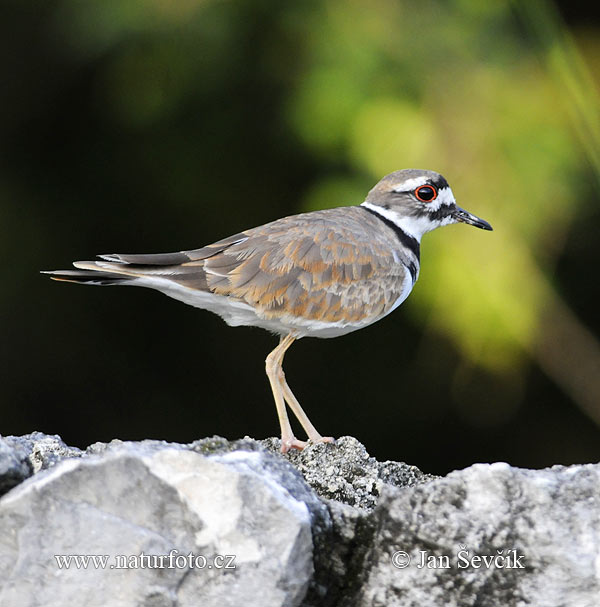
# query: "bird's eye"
[[426, 193]]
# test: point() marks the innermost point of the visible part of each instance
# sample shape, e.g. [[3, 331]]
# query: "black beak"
[[463, 216]]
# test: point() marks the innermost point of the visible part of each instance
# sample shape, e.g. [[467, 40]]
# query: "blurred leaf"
[[93, 27], [392, 133]]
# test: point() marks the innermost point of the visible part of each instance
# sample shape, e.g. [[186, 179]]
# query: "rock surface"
[[21, 456], [236, 523], [489, 535]]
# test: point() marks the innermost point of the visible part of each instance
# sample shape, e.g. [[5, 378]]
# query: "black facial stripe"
[[437, 215], [412, 244], [412, 268], [439, 183]]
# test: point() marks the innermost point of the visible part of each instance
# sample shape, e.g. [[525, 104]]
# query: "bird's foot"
[[293, 443], [322, 439]]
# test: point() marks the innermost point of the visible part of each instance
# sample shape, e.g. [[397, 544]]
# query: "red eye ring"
[[426, 193]]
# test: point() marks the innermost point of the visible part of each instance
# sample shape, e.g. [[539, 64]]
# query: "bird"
[[321, 274]]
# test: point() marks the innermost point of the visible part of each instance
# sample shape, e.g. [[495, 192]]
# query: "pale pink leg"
[[282, 394], [273, 367], [292, 401]]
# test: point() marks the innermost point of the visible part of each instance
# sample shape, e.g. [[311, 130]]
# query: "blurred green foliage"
[[458, 87], [178, 96], [468, 96]]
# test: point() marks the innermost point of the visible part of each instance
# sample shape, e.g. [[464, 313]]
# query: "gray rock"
[[544, 523], [15, 466], [157, 499], [21, 456], [345, 472], [325, 527]]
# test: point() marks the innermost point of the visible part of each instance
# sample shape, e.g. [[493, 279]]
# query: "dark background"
[[95, 157]]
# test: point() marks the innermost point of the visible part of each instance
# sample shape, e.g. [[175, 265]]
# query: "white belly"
[[237, 313]]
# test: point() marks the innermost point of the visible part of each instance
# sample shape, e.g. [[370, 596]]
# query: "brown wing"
[[332, 265], [321, 266]]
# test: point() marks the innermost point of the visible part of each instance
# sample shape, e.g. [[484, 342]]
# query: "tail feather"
[[134, 270], [156, 271], [109, 267], [152, 259], [87, 277]]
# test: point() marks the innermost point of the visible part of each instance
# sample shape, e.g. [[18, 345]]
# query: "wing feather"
[[336, 265], [322, 266]]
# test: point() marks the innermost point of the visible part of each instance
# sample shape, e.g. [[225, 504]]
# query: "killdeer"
[[319, 274]]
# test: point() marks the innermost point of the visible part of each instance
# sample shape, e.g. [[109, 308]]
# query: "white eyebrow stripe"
[[411, 184]]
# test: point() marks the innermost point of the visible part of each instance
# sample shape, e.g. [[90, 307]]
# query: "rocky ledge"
[[235, 523]]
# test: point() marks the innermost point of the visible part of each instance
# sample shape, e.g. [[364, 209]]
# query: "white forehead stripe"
[[445, 196]]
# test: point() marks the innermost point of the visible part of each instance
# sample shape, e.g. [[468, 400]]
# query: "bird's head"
[[418, 201]]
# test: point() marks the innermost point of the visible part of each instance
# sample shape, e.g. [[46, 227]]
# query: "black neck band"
[[409, 242]]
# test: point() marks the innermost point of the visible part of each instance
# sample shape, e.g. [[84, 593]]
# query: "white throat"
[[413, 226]]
